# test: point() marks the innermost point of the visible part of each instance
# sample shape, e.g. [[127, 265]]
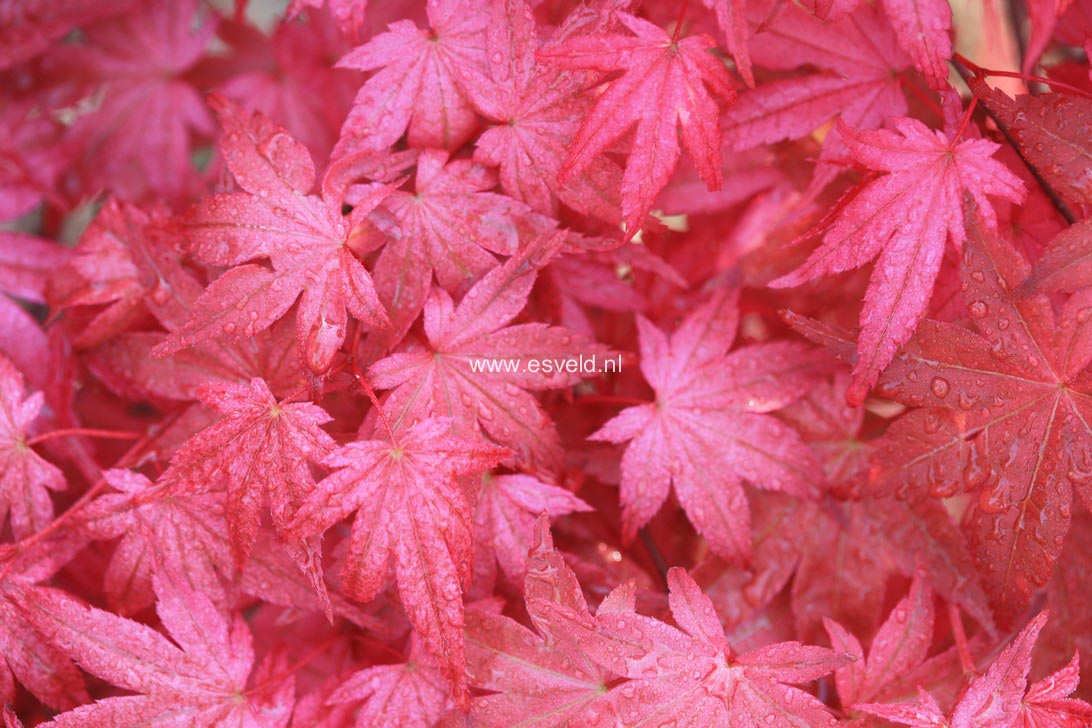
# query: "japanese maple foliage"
[[389, 363]]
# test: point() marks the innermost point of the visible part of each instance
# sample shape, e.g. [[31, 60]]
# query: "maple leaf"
[[32, 155], [411, 694], [708, 429], [858, 81], [504, 519], [431, 544], [924, 28], [904, 217], [304, 236], [450, 378], [1014, 423], [537, 114], [260, 450], [28, 27], [1066, 264], [25, 263], [663, 92], [25, 477], [690, 675], [450, 226], [182, 531], [199, 679], [421, 88], [540, 676], [899, 647], [138, 141], [1052, 132], [35, 660], [1001, 696]]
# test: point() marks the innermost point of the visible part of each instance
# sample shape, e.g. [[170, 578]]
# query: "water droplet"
[[940, 387], [979, 309]]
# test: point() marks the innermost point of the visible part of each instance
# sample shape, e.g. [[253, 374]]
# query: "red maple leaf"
[[690, 675], [1001, 696], [1052, 131], [431, 544], [423, 85], [537, 114], [450, 226], [709, 428], [32, 657], [904, 217], [25, 477], [858, 81], [305, 237], [504, 519], [411, 694], [199, 677], [137, 142], [475, 367], [541, 675], [259, 451], [663, 92]]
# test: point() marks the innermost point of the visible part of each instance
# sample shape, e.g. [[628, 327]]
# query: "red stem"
[[85, 432], [679, 22], [966, 118], [960, 637], [980, 71]]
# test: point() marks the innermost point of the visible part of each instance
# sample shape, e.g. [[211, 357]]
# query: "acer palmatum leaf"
[[924, 29], [25, 477], [200, 677], [260, 451], [1001, 697], [430, 545], [709, 428], [904, 217], [505, 515], [305, 237], [664, 91], [411, 694], [421, 87], [542, 675], [537, 114], [34, 659], [458, 376], [858, 80], [690, 675], [1052, 131]]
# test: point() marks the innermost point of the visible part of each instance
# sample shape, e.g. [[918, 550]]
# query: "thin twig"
[[654, 553]]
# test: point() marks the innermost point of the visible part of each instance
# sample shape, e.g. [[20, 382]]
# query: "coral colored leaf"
[[421, 87], [859, 61], [148, 117], [478, 370], [259, 451], [305, 238], [430, 544], [26, 653], [1053, 132], [664, 91], [690, 675], [924, 29], [904, 217], [1027, 413], [541, 675], [411, 694], [537, 115], [709, 428], [199, 677], [899, 646], [1066, 265], [508, 506], [25, 477], [1001, 696]]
